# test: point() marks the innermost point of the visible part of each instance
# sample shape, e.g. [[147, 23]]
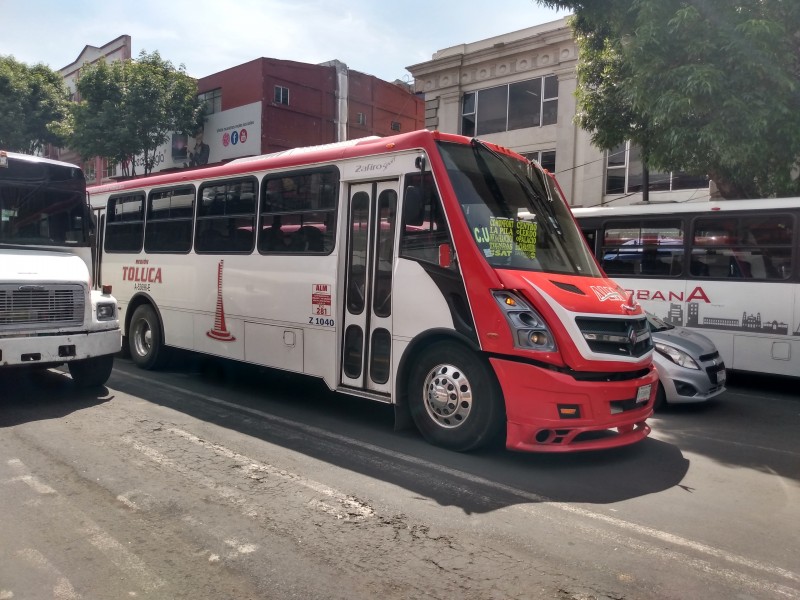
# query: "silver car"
[[688, 364]]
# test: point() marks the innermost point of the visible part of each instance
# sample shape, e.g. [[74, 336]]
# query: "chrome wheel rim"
[[143, 340], [448, 396]]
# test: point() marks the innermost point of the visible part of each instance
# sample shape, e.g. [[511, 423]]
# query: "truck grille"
[[619, 337], [51, 306]]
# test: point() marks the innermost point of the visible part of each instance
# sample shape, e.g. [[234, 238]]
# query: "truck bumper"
[[45, 350]]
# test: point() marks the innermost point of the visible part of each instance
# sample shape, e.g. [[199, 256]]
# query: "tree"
[[710, 87], [33, 106], [129, 108]]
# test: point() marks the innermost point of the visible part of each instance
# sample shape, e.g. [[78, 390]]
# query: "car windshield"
[[516, 217], [658, 324]]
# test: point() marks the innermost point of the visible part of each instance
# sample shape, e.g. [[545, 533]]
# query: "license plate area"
[[642, 396], [643, 393]]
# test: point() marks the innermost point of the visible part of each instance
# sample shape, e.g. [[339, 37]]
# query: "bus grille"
[[31, 306], [620, 337]]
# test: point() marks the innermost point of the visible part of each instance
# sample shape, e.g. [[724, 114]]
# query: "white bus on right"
[[724, 268]]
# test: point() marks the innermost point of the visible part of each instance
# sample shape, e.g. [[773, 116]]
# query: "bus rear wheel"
[[454, 398], [145, 339]]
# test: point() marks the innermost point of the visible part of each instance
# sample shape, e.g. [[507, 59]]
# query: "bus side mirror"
[[445, 256]]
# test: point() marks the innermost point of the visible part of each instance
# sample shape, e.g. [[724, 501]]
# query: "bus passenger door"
[[367, 340]]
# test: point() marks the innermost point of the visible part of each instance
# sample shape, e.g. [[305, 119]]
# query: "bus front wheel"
[[454, 398], [145, 339]]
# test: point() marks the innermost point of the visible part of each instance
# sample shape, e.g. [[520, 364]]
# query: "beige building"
[[518, 90]]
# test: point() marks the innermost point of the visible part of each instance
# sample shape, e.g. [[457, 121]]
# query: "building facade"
[[518, 90], [95, 169], [301, 104], [263, 106]]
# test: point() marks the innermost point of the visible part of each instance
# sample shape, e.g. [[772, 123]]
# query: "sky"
[[378, 37]]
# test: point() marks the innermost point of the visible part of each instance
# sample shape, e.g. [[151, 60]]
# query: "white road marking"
[[659, 536], [353, 507], [96, 536], [63, 589]]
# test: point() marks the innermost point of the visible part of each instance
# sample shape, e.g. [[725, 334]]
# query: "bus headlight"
[[679, 357], [527, 326], [106, 311]]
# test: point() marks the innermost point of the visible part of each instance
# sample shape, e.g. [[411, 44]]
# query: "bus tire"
[[454, 397], [145, 339], [91, 372]]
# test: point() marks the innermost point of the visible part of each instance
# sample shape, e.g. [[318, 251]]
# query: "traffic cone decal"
[[220, 332]]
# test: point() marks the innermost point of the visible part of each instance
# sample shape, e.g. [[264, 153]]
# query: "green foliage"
[[129, 108], [703, 86], [33, 106]]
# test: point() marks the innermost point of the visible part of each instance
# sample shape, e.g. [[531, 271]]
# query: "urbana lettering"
[[697, 294], [142, 274]]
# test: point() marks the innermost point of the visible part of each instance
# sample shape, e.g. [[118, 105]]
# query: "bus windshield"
[[42, 203], [515, 216]]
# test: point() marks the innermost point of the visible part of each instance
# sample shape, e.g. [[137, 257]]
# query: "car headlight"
[[679, 357], [106, 311], [527, 326]]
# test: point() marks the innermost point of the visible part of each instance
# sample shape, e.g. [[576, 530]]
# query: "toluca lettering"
[[143, 274]]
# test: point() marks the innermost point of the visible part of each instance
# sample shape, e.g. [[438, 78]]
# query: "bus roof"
[[366, 146], [676, 208], [30, 158]]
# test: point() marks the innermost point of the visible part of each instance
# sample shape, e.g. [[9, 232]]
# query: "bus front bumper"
[[550, 411]]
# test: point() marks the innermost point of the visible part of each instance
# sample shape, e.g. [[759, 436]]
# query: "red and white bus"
[[438, 273]]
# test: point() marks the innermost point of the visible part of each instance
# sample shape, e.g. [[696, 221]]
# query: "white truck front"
[[49, 312], [50, 315]]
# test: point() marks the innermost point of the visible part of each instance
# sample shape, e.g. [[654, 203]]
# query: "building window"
[[109, 168], [89, 171], [213, 100], [395, 125], [529, 103], [361, 119], [281, 95], [625, 170], [546, 158]]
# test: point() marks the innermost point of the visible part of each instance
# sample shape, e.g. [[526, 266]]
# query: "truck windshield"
[[42, 203], [515, 216]]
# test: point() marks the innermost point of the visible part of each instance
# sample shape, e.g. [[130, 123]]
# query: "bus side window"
[[298, 212], [226, 216], [424, 227]]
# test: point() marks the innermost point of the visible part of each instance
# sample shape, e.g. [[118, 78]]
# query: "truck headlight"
[[679, 357], [106, 311], [527, 326]]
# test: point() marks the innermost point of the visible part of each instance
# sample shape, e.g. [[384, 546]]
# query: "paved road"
[[216, 481]]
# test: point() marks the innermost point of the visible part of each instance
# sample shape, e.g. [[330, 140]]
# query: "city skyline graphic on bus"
[[748, 322]]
